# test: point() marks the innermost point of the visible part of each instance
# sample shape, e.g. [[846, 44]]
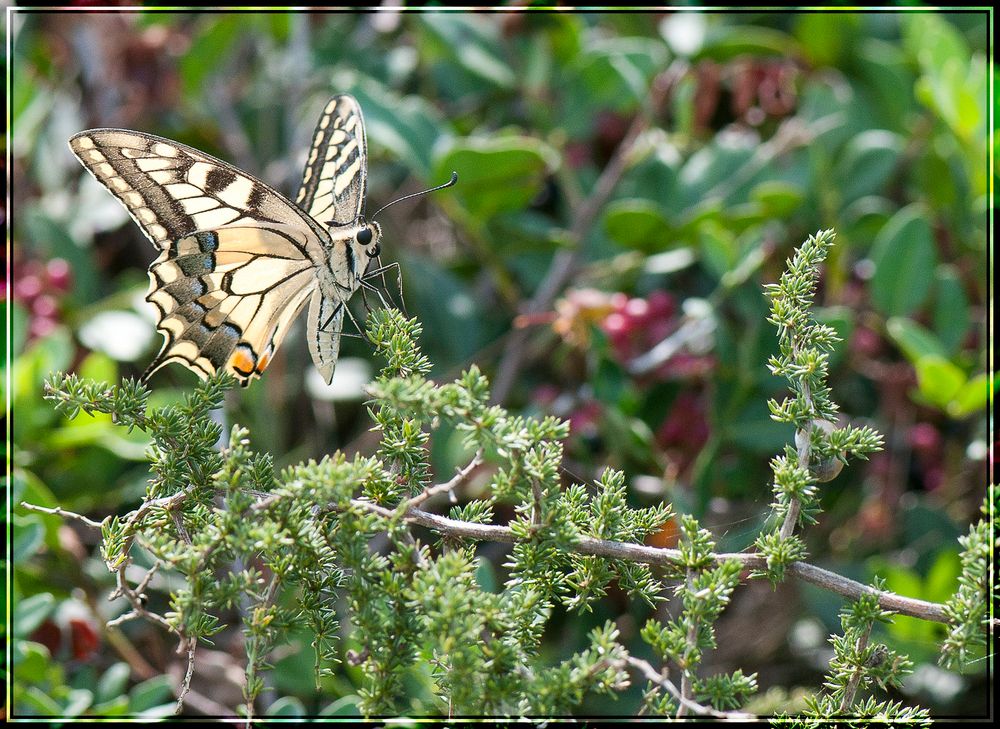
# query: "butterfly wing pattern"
[[237, 259], [333, 189]]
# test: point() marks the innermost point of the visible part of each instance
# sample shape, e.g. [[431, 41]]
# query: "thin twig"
[[185, 686], [852, 684], [647, 670], [57, 511], [138, 603], [448, 486]]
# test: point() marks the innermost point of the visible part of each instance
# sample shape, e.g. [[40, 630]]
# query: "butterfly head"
[[368, 236]]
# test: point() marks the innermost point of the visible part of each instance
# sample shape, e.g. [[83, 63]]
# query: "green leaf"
[[717, 248], [29, 535], [904, 258], [942, 579], [35, 701], [972, 397], [638, 224], [932, 41], [78, 701], [407, 126], [149, 695], [30, 612], [727, 42], [485, 576], [863, 219], [496, 174], [825, 36], [344, 706], [209, 47], [286, 706], [890, 78], [30, 660], [866, 164], [706, 179], [602, 81], [914, 340], [778, 199], [116, 706], [113, 682], [938, 380], [951, 308], [98, 366], [471, 45]]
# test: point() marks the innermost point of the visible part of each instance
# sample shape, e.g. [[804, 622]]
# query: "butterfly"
[[238, 260]]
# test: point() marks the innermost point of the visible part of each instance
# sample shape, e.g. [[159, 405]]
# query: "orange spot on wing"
[[242, 360], [265, 360]]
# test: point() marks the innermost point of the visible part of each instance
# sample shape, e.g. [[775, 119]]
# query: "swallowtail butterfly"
[[238, 260]]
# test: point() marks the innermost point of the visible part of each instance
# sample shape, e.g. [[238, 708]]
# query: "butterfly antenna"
[[449, 183]]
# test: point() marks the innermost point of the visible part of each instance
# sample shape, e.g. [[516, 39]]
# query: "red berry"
[[616, 325], [866, 342], [577, 154], [45, 306], [661, 304], [49, 635], [933, 478], [925, 437], [85, 640], [59, 273], [26, 288], [41, 326], [637, 309], [585, 418], [545, 394]]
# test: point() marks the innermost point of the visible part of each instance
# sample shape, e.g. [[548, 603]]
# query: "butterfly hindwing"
[[226, 298], [326, 320]]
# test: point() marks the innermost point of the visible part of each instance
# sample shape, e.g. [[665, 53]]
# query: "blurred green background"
[[779, 124]]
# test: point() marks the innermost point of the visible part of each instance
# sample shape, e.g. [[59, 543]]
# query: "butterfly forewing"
[[172, 190], [335, 176]]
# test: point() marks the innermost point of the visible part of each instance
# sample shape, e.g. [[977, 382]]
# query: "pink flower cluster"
[[38, 286]]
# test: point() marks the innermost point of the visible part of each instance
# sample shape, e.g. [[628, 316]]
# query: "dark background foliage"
[[874, 124]]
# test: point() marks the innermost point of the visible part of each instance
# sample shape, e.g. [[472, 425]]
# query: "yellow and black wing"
[[237, 259], [336, 172], [333, 191]]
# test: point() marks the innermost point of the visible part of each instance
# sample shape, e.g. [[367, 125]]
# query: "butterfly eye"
[[364, 236]]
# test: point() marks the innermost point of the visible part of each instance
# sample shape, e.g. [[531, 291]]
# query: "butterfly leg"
[[333, 316], [380, 272]]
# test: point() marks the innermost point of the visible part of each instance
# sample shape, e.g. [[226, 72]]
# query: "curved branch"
[[664, 557]]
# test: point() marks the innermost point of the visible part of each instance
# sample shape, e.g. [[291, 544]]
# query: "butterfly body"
[[238, 260]]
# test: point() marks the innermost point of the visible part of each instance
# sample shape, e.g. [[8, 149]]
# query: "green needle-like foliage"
[[820, 448], [323, 545], [285, 549], [859, 667], [968, 608]]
